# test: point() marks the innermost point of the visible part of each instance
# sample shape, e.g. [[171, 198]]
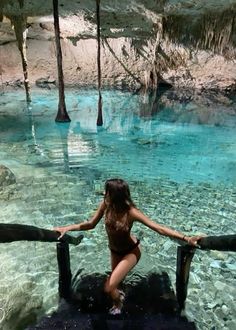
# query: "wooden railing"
[[17, 232], [185, 253]]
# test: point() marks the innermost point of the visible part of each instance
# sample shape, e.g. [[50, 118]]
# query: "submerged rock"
[[6, 176]]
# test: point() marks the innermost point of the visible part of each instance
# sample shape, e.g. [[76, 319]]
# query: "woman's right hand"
[[61, 230], [193, 240]]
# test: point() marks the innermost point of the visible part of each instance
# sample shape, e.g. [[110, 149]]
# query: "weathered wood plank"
[[220, 243], [19, 232], [184, 257]]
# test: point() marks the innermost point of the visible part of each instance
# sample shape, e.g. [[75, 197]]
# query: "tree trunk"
[[20, 28], [99, 117], [62, 115]]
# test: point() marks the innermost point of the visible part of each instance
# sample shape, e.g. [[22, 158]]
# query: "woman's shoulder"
[[102, 206], [133, 211], [136, 214]]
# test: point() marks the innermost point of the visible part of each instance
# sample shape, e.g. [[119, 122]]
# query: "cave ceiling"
[[120, 7]]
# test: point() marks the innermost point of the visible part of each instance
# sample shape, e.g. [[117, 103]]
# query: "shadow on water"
[[150, 304], [150, 294]]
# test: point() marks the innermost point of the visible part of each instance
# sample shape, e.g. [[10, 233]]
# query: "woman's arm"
[[86, 225], [162, 230]]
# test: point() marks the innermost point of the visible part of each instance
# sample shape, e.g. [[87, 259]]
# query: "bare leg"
[[120, 268], [115, 259]]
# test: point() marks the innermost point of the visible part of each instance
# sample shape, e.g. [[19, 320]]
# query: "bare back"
[[118, 230]]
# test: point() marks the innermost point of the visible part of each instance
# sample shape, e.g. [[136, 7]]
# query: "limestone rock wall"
[[190, 44]]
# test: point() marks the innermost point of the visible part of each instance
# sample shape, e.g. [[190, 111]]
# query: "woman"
[[120, 213]]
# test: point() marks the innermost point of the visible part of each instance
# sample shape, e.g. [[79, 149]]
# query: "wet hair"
[[119, 195]]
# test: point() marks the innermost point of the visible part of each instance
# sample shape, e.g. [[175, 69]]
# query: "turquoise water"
[[179, 159]]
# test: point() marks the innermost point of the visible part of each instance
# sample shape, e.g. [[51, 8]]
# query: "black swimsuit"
[[127, 251], [120, 236]]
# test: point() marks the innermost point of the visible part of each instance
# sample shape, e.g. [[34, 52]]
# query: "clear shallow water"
[[180, 163]]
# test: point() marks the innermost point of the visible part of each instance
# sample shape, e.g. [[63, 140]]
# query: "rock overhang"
[[67, 7]]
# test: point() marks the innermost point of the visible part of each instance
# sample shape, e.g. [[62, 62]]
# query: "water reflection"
[[144, 136]]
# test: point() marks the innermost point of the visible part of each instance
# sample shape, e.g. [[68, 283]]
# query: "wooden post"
[[63, 259], [184, 257]]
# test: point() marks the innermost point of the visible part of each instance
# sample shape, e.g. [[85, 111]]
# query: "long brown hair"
[[120, 201]]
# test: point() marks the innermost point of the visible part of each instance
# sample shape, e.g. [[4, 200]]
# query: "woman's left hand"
[[61, 230]]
